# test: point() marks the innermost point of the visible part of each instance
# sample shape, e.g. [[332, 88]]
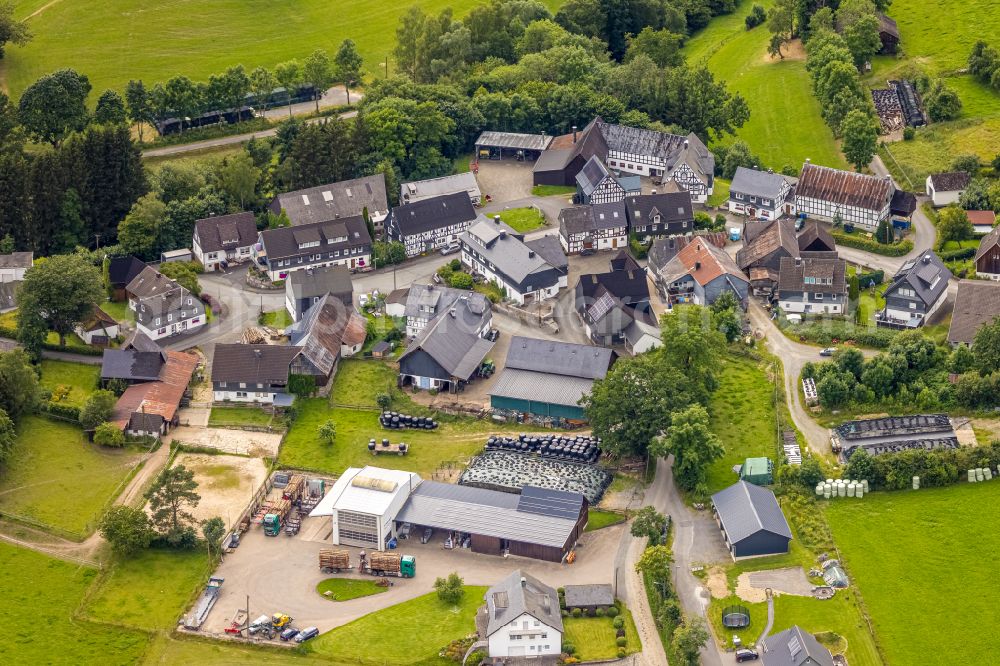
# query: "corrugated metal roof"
[[514, 140], [541, 387], [746, 509], [476, 513], [418, 190], [550, 502]]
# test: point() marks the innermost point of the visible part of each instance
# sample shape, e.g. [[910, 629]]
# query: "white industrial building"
[[363, 505]]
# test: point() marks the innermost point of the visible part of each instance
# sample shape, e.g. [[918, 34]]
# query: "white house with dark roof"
[[946, 188], [813, 286], [499, 254], [595, 184], [13, 266], [522, 618], [220, 241], [162, 307], [423, 303], [760, 194], [282, 251], [917, 291], [855, 198], [303, 289], [594, 227], [431, 224], [335, 201], [251, 373], [794, 647]]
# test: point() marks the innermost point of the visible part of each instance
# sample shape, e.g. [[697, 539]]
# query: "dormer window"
[[303, 246]]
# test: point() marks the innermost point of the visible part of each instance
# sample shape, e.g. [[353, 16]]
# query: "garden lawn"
[[358, 382], [599, 518], [228, 416], [552, 190], [112, 42], [522, 220], [279, 319], [9, 320], [930, 549], [408, 633], [119, 310], [720, 193], [345, 589], [785, 125], [81, 379], [594, 637], [40, 595], [58, 478], [743, 417], [149, 590]]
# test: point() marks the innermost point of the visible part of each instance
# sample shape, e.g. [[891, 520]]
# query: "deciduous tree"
[[347, 65], [649, 522], [127, 529], [693, 445], [262, 85], [860, 134], [655, 562], [19, 392], [62, 291], [288, 75], [213, 530], [327, 432], [140, 106], [986, 347], [318, 71], [110, 109], [8, 437], [55, 105], [953, 225], [450, 589], [97, 409], [238, 176], [688, 640], [12, 31], [863, 39]]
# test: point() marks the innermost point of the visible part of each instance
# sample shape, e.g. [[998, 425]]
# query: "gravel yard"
[[225, 483], [243, 442]]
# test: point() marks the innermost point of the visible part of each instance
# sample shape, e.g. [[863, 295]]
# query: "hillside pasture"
[[922, 561]]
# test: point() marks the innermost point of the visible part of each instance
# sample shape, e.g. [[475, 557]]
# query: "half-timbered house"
[[853, 198]]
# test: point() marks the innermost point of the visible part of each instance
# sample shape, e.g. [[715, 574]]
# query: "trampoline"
[[735, 617]]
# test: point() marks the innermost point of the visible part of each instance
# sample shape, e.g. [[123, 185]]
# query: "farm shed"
[[589, 597], [751, 521], [498, 145]]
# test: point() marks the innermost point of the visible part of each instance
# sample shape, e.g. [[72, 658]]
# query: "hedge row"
[[60, 410], [957, 255], [825, 332], [861, 243], [8, 332], [936, 468]]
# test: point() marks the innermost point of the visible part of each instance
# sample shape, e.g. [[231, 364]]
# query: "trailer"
[[204, 604], [238, 623], [391, 564], [295, 488], [399, 448], [334, 560], [275, 516]]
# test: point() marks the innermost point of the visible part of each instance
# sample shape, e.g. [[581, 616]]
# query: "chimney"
[[503, 233], [257, 353], [574, 141], [697, 265], [770, 170], [496, 219], [531, 254], [654, 191], [453, 313], [798, 261], [927, 259], [685, 144], [524, 581]]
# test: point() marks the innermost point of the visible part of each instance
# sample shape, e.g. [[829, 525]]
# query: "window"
[[819, 296], [189, 301], [913, 306], [170, 317], [241, 394], [243, 384], [157, 321], [544, 635], [222, 384]]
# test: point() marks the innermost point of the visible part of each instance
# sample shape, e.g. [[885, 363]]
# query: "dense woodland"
[[73, 177]]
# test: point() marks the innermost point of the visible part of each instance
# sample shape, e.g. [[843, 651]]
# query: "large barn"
[[751, 521]]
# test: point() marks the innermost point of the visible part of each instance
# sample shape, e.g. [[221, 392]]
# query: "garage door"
[[357, 529]]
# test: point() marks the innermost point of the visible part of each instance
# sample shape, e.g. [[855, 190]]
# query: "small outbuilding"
[[751, 521], [498, 145], [589, 597], [183, 254], [758, 471]]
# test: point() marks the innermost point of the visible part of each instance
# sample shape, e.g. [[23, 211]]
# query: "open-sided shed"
[[498, 145]]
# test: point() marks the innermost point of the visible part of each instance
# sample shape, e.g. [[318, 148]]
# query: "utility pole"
[[97, 240]]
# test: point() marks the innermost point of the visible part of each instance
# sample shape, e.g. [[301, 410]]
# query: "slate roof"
[[98, 320], [977, 303], [988, 242], [334, 201], [844, 188], [284, 242], [320, 333], [766, 238], [599, 594], [563, 149], [16, 260], [320, 281], [629, 286], [623, 261], [703, 261], [226, 232], [793, 272], [670, 206], [507, 252], [149, 282], [592, 218], [593, 173], [451, 342], [903, 203], [794, 647], [550, 249], [161, 397], [815, 238], [122, 270], [521, 593], [132, 365], [252, 364], [433, 213], [139, 341], [922, 275], [671, 147], [418, 190], [746, 509], [486, 512], [168, 301], [755, 182], [559, 358], [951, 181], [440, 298]]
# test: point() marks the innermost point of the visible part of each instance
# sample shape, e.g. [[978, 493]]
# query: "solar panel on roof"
[[794, 646], [601, 306]]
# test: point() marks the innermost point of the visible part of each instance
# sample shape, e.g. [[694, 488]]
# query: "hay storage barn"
[[751, 521]]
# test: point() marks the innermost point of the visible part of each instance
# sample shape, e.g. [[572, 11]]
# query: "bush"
[[909, 133], [613, 611], [69, 412], [577, 612], [461, 281], [476, 658], [638, 250], [108, 434], [621, 641], [618, 622], [451, 589], [756, 17], [621, 653], [861, 243], [957, 255], [598, 612], [568, 648]]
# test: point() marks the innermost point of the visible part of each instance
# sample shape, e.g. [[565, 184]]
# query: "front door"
[[614, 242]]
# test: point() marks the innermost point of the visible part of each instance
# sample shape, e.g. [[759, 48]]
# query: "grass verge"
[[600, 518], [345, 589]]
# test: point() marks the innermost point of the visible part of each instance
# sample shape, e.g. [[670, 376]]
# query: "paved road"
[[306, 107]]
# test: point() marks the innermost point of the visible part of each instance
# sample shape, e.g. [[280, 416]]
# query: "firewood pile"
[[890, 113]]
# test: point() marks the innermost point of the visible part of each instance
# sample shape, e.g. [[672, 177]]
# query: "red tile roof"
[[162, 397]]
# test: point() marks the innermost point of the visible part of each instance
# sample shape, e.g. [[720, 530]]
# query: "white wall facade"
[[827, 211], [12, 274], [938, 198], [525, 637], [247, 395], [168, 329], [279, 270], [88, 336]]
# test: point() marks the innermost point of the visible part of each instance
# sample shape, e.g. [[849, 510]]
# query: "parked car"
[[746, 654], [437, 278], [426, 536], [289, 633], [306, 634], [450, 248], [827, 351], [586, 252]]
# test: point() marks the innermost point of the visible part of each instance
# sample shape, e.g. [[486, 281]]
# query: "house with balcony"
[[521, 619], [659, 215], [162, 307], [813, 286], [698, 273], [220, 242], [252, 373], [916, 293]]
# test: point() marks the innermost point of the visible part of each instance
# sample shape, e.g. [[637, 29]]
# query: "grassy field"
[[928, 550], [58, 478], [522, 219], [594, 637], [408, 633], [184, 650], [345, 589], [599, 518], [9, 319], [742, 416], [114, 42], [149, 590], [785, 125], [227, 416], [80, 378], [39, 596], [279, 319]]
